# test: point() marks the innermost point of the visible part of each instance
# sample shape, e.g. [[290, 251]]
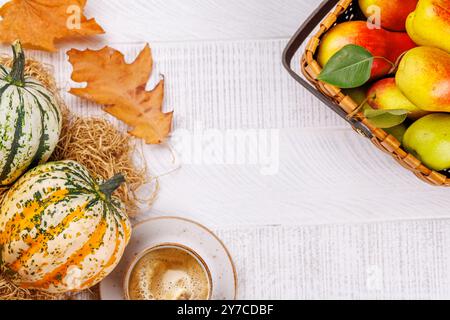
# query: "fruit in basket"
[[30, 120], [385, 95], [358, 95], [429, 24], [398, 132], [429, 140], [61, 230], [379, 118], [424, 78], [384, 45], [393, 12]]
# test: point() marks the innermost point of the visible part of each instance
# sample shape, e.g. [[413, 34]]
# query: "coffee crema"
[[169, 273]]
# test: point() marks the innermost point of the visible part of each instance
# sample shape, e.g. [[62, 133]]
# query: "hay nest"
[[96, 144]]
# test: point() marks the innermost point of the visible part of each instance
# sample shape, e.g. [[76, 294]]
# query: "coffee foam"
[[169, 274]]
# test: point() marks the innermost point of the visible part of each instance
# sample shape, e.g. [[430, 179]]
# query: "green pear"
[[429, 140]]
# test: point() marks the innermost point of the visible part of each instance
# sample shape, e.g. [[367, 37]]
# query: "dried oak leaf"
[[120, 87], [38, 23]]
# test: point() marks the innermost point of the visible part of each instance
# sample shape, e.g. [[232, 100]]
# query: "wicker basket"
[[325, 17]]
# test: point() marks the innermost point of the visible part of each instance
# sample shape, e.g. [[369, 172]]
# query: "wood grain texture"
[[327, 173], [401, 260], [221, 60], [174, 20], [325, 176]]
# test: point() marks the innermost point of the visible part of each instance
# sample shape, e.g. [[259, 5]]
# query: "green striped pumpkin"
[[60, 230], [30, 121]]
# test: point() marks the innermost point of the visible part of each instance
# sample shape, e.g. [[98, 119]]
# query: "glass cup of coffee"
[[168, 272]]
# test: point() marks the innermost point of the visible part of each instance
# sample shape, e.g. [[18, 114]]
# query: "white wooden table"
[[328, 216]]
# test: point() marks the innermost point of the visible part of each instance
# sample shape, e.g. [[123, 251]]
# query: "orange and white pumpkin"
[[60, 230]]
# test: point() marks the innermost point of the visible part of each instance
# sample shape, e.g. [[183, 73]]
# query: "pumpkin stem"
[[108, 187], [17, 76]]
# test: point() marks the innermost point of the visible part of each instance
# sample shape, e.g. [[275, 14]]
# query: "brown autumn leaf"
[[120, 87], [38, 23]]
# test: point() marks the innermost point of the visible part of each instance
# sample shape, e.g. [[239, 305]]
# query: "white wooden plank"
[[175, 20], [401, 260], [325, 176]]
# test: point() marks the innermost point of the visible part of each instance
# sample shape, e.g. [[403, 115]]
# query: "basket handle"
[[294, 45]]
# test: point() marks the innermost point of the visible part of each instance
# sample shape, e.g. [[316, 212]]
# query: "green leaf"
[[350, 67], [384, 119], [372, 113], [387, 121]]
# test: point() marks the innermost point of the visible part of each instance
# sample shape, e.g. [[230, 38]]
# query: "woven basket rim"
[[381, 139]]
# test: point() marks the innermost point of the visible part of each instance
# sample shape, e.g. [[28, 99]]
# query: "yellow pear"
[[385, 95], [423, 76], [429, 24]]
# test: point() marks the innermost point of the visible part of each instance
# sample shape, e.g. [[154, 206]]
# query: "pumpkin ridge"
[[28, 142], [15, 143], [24, 219], [41, 243], [38, 86], [116, 212], [56, 197], [27, 254], [81, 175], [57, 275], [3, 126], [43, 147], [4, 88], [2, 68], [46, 140], [110, 262], [36, 172]]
